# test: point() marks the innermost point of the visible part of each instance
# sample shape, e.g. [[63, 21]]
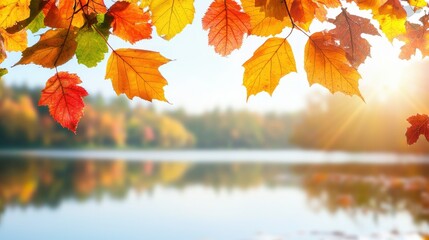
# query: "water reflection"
[[370, 189]]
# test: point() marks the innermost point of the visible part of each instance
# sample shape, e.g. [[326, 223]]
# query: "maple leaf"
[[14, 42], [227, 26], [64, 99], [88, 38], [261, 21], [392, 17], [419, 126], [130, 22], [170, 17], [13, 11], [54, 48], [348, 30], [269, 63], [416, 37], [326, 64], [135, 72]]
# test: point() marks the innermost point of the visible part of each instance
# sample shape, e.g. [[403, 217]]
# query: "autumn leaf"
[[130, 22], [227, 26], [264, 16], [54, 48], [92, 6], [369, 4], [170, 17], [61, 15], [326, 64], [35, 15], [14, 42], [416, 37], [419, 126], [418, 4], [88, 38], [37, 23], [303, 12], [135, 72], [64, 99], [269, 63], [13, 11], [348, 30], [392, 17]]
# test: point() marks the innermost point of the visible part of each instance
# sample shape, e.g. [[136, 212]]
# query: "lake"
[[234, 195]]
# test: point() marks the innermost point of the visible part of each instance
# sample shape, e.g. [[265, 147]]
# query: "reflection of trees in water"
[[371, 189], [354, 188]]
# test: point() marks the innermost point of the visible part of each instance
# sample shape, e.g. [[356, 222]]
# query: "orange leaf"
[[54, 48], [61, 15], [369, 4], [419, 126], [227, 26], [77, 11], [135, 73], [303, 12], [267, 17], [64, 99], [416, 37], [270, 62], [348, 30], [130, 22], [326, 64]]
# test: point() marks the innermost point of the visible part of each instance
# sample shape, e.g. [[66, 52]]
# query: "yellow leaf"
[[265, 21], [391, 26], [135, 73], [392, 17], [270, 62], [16, 41], [54, 48], [13, 11], [170, 17], [327, 65], [418, 3]]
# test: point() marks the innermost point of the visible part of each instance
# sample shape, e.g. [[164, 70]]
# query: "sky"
[[200, 80]]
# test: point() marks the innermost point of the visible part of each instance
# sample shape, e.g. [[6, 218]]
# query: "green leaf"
[[103, 24], [91, 47], [3, 71], [37, 23]]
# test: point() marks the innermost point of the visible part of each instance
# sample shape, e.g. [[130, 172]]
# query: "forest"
[[115, 123]]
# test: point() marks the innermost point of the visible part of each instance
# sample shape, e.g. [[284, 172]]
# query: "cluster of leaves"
[[82, 28]]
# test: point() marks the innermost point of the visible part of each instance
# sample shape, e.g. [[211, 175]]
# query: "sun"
[[383, 75]]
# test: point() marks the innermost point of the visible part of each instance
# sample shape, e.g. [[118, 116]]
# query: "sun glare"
[[384, 76]]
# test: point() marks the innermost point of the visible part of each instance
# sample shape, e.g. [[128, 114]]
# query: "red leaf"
[[64, 99], [419, 126], [130, 22], [227, 25]]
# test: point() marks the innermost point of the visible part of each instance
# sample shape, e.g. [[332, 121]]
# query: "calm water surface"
[[90, 198]]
